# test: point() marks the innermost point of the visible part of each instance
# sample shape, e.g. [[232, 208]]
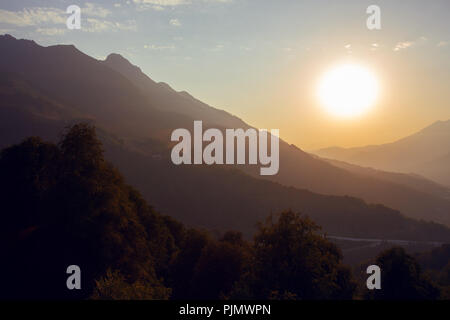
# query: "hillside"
[[425, 152], [135, 110]]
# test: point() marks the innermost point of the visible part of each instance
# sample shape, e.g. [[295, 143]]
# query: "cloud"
[[96, 25], [374, 47], [33, 17], [217, 47], [442, 44], [175, 22], [409, 44], [51, 31], [161, 4], [52, 21], [403, 45], [94, 10], [42, 15], [4, 31], [155, 47]]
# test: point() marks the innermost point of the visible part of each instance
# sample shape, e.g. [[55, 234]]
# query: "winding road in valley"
[[380, 241]]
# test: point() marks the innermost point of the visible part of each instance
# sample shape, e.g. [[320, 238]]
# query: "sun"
[[348, 90]]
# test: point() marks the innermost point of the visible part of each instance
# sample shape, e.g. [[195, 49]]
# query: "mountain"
[[213, 197], [46, 88], [167, 99], [426, 153], [299, 169], [222, 198], [409, 180]]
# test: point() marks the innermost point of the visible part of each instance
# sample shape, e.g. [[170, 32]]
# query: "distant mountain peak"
[[124, 66], [120, 61], [9, 38], [24, 45], [116, 57], [133, 72], [441, 126], [186, 94], [68, 48]]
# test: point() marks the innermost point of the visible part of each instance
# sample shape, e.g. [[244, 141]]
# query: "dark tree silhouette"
[[293, 261], [402, 278], [65, 205]]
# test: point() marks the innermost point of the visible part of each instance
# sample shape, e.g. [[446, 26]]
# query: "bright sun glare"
[[348, 90]]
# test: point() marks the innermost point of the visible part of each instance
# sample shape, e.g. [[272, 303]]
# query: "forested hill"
[[63, 204], [44, 88]]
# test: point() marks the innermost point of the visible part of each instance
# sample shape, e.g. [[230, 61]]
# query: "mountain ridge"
[[116, 104], [417, 153]]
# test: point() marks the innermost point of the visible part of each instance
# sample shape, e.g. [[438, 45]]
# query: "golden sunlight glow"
[[348, 90]]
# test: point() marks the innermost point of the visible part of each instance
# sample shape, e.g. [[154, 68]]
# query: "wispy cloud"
[[96, 25], [33, 17], [51, 31], [94, 10], [217, 47], [52, 21], [3, 31], [162, 4], [171, 3], [442, 44], [348, 48], [175, 22], [409, 44], [156, 47], [403, 45], [159, 4]]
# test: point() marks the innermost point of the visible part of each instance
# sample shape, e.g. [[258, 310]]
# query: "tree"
[[63, 205], [114, 286], [181, 278], [220, 265], [402, 278], [292, 260]]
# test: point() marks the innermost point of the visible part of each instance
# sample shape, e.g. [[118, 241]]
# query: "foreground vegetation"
[[64, 204]]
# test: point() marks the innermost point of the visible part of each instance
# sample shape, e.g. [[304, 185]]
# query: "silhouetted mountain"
[[75, 86], [78, 81], [164, 97], [426, 152], [413, 181], [299, 169], [219, 198]]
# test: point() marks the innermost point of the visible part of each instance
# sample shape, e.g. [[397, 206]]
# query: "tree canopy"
[[64, 204]]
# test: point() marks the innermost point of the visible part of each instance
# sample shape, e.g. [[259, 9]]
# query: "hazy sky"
[[261, 60]]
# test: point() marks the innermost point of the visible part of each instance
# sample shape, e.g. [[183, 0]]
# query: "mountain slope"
[[298, 168], [120, 105], [214, 197], [409, 180], [224, 198], [167, 99], [425, 152]]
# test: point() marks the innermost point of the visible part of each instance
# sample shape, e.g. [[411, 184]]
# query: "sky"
[[262, 60]]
